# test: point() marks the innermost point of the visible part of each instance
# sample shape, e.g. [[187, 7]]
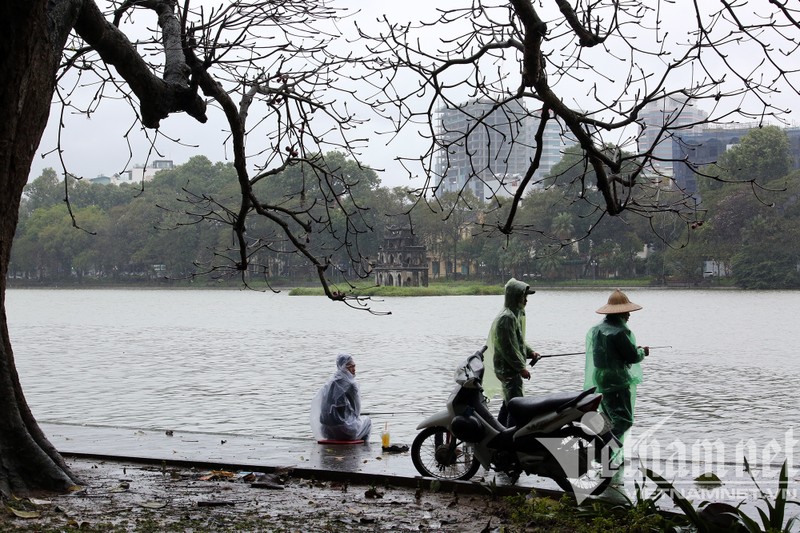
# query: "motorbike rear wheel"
[[587, 476], [437, 453]]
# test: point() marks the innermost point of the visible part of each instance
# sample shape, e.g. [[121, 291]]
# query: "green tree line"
[[165, 229], [159, 230]]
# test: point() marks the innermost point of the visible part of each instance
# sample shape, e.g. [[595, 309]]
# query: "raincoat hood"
[[515, 294], [342, 360], [506, 350]]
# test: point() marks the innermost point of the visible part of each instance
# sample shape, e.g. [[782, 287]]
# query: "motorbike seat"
[[524, 408]]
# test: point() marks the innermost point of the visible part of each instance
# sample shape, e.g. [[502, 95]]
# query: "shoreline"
[[443, 290]]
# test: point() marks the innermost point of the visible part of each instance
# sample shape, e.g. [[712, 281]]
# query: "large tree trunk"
[[28, 462]]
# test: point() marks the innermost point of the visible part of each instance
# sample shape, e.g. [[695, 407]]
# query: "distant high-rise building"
[[553, 145], [673, 112], [491, 157], [703, 147], [481, 143], [554, 141]]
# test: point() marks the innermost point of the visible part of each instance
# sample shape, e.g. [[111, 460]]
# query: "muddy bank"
[[126, 496]]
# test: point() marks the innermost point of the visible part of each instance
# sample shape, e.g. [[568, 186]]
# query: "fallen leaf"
[[37, 501], [217, 474], [23, 514], [153, 505]]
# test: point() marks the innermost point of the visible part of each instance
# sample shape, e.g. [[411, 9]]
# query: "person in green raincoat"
[[507, 353], [612, 362]]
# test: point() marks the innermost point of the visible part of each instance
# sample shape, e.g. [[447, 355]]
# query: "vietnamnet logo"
[[703, 470], [714, 470], [588, 462]]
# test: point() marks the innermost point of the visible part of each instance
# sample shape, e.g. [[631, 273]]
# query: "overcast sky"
[[104, 144], [100, 144]]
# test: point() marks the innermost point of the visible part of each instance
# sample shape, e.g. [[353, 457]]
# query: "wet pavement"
[[305, 457], [364, 463]]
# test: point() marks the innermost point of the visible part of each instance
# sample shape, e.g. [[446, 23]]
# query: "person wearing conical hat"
[[612, 362]]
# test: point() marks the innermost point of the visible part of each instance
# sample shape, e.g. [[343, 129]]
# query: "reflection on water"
[[249, 363]]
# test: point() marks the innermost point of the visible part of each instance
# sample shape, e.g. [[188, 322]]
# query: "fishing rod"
[[583, 353], [390, 413]]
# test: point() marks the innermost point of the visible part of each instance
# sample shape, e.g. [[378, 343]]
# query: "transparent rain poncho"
[[336, 408], [506, 351], [612, 365]]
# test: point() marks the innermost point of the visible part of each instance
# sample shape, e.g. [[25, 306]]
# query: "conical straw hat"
[[618, 303]]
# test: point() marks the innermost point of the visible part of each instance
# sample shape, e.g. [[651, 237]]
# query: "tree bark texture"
[[29, 464]]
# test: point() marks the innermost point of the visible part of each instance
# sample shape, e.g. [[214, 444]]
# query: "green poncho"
[[612, 365], [506, 351]]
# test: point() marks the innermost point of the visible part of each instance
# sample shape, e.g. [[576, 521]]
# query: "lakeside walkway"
[[305, 457], [361, 463]]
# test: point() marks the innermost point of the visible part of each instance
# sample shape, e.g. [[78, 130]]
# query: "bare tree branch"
[[595, 68]]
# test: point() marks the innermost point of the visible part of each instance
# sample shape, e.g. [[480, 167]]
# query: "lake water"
[[246, 362]]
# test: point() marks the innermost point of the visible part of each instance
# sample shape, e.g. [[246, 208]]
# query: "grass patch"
[[434, 289], [542, 514], [477, 288]]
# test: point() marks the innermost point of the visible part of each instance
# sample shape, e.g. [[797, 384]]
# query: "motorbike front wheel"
[[437, 453]]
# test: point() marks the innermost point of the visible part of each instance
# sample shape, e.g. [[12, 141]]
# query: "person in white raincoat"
[[336, 408]]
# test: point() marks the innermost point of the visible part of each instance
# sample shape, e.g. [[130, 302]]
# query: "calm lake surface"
[[244, 362]]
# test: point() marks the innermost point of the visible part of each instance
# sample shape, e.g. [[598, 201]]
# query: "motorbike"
[[561, 436]]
